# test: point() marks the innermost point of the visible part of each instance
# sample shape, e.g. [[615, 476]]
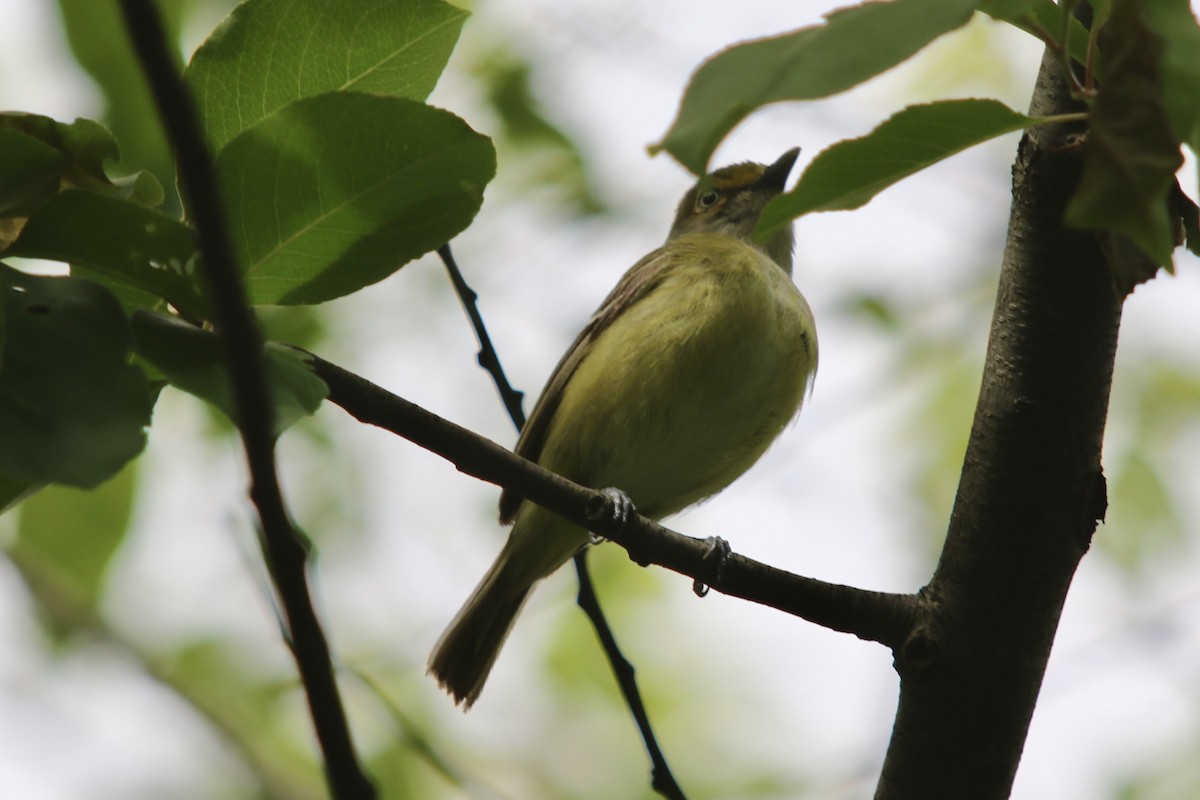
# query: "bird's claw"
[[616, 506], [717, 550]]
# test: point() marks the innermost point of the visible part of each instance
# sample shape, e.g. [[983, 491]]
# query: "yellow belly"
[[688, 387]]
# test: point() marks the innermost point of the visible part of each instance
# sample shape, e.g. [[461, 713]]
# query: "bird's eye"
[[708, 199]]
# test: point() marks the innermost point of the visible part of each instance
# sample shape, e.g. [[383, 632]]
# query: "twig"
[[487, 357], [662, 780], [873, 616], [284, 550]]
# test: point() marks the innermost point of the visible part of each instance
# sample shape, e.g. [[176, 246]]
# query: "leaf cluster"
[[334, 173], [1139, 93]]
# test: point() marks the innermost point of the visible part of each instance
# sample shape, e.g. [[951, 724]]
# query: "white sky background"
[[1120, 694]]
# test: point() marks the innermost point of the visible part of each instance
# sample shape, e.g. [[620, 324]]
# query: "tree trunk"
[[1030, 494]]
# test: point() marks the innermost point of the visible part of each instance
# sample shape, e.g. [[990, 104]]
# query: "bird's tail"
[[464, 656]]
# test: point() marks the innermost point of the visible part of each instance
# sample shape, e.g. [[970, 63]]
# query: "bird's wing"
[[639, 281]]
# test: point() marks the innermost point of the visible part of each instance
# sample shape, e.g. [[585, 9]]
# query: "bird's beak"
[[776, 175]]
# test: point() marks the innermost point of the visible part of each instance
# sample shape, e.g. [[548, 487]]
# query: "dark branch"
[[487, 357], [874, 616], [661, 778], [285, 552]]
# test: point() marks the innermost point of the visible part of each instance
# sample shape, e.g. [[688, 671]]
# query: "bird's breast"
[[688, 386]]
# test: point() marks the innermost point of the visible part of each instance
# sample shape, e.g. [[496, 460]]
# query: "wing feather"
[[641, 279]]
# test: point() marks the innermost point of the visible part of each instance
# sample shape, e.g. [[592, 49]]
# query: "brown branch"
[[284, 550], [875, 616]]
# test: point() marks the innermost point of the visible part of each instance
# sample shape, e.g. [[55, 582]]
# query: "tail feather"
[[463, 657], [540, 543]]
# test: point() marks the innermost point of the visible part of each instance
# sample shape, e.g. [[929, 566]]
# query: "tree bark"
[[1030, 494]]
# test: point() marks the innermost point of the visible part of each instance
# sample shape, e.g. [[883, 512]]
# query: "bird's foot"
[[614, 505], [718, 550]]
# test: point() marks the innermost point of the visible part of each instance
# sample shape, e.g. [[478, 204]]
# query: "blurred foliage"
[[1157, 425], [547, 157], [939, 347], [1155, 415], [49, 535], [1172, 776]]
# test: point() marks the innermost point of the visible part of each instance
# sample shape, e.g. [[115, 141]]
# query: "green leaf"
[[335, 192], [98, 37], [194, 360], [133, 245], [141, 187], [850, 173], [72, 408], [14, 492], [73, 534], [84, 146], [1131, 153], [854, 44], [269, 53], [1041, 19], [30, 171], [1175, 24], [1143, 510]]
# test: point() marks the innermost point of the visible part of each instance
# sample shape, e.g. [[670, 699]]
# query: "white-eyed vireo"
[[679, 382]]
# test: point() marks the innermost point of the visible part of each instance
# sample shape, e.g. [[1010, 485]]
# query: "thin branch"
[[874, 616], [284, 550], [662, 780], [487, 357]]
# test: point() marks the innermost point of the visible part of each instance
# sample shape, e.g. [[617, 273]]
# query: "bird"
[[683, 377]]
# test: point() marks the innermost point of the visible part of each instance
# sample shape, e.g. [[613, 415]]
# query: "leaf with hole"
[[84, 146]]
